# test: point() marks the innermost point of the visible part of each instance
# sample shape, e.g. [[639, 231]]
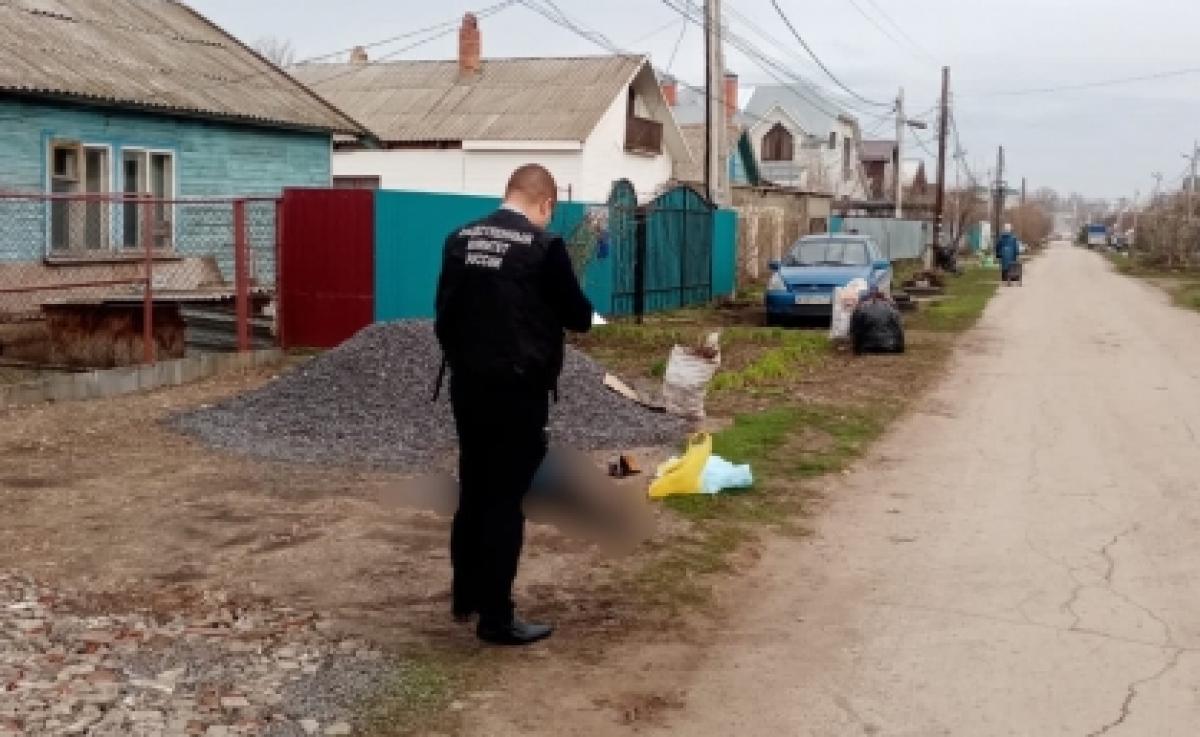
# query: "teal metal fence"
[[411, 228], [690, 248]]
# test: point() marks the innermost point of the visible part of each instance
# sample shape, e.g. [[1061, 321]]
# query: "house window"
[[147, 175], [79, 223], [832, 140], [778, 144], [846, 151], [364, 182]]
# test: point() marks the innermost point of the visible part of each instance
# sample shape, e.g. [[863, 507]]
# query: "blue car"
[[802, 285]]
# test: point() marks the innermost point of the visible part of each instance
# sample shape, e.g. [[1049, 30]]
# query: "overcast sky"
[[1103, 141]]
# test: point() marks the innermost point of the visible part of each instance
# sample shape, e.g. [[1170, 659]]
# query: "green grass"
[[783, 446], [1182, 284], [966, 296], [905, 269], [1187, 296], [776, 365]]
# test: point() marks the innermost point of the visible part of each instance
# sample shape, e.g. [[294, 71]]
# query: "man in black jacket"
[[506, 294]]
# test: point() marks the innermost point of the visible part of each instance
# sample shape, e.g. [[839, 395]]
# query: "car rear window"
[[828, 253]]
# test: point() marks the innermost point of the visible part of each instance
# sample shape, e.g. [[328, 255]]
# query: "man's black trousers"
[[502, 442]]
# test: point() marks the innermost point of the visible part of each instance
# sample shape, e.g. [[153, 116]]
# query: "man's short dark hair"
[[532, 182]]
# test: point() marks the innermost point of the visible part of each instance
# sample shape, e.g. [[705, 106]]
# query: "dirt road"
[[1018, 559]]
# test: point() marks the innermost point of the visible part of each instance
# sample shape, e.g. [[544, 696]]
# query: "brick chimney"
[[731, 95], [470, 47], [359, 56], [670, 90]]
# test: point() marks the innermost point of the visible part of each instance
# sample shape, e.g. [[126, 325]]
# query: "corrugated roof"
[[156, 54], [550, 99]]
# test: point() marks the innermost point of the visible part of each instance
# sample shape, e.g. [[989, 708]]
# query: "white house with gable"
[[462, 126], [803, 139]]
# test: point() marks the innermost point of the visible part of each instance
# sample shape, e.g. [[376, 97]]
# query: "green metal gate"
[[679, 241], [623, 246], [662, 252]]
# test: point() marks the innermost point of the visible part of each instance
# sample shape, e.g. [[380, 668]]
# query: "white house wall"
[[422, 170], [457, 171], [487, 172], [585, 174], [605, 159]]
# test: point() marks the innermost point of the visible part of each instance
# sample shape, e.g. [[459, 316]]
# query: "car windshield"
[[829, 253]]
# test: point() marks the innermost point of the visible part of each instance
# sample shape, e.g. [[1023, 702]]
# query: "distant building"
[[690, 112], [803, 139], [879, 167], [462, 126]]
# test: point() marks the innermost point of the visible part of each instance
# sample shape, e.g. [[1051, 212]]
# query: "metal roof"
[[808, 106], [152, 54], [542, 99]]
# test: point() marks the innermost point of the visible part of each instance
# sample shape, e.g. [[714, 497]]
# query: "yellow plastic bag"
[[682, 475]]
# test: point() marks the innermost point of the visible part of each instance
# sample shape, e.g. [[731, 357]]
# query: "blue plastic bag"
[[721, 475]]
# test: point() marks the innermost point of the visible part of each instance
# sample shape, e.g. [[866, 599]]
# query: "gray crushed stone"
[[367, 403]]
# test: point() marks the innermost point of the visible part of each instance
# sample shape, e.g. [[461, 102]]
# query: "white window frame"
[[145, 152], [82, 147]]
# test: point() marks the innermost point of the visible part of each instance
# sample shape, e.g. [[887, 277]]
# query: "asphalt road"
[[1019, 557]]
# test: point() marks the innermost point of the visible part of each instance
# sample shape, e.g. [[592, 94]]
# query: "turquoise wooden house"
[[105, 102]]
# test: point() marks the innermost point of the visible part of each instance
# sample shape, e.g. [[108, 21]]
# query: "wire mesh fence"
[[115, 279]]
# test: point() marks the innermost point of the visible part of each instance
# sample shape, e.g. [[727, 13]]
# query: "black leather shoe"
[[514, 634]]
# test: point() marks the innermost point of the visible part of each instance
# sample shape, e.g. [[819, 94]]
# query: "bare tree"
[[965, 209], [1031, 222], [280, 51]]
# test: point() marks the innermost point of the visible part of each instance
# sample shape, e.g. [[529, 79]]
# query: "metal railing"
[[112, 270]]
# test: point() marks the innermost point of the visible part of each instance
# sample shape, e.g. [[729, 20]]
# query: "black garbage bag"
[[947, 260], [876, 328]]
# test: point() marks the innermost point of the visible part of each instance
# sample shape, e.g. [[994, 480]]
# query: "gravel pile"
[[368, 403], [213, 668]]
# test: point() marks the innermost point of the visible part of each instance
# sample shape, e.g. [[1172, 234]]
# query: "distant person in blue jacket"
[[1008, 252]]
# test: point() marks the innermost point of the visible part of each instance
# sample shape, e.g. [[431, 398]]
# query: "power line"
[[683, 26], [787, 22], [764, 62], [1101, 83], [355, 69], [787, 49], [651, 34], [880, 27], [923, 144], [920, 49], [614, 49]]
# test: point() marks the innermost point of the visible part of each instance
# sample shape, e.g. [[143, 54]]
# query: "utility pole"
[[899, 154], [1157, 177], [943, 127], [1137, 193], [714, 88], [1191, 195], [999, 196], [1022, 191]]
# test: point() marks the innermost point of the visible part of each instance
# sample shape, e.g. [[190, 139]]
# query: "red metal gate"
[[326, 265]]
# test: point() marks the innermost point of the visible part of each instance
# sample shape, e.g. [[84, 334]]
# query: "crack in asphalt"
[[1084, 631], [1132, 693]]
